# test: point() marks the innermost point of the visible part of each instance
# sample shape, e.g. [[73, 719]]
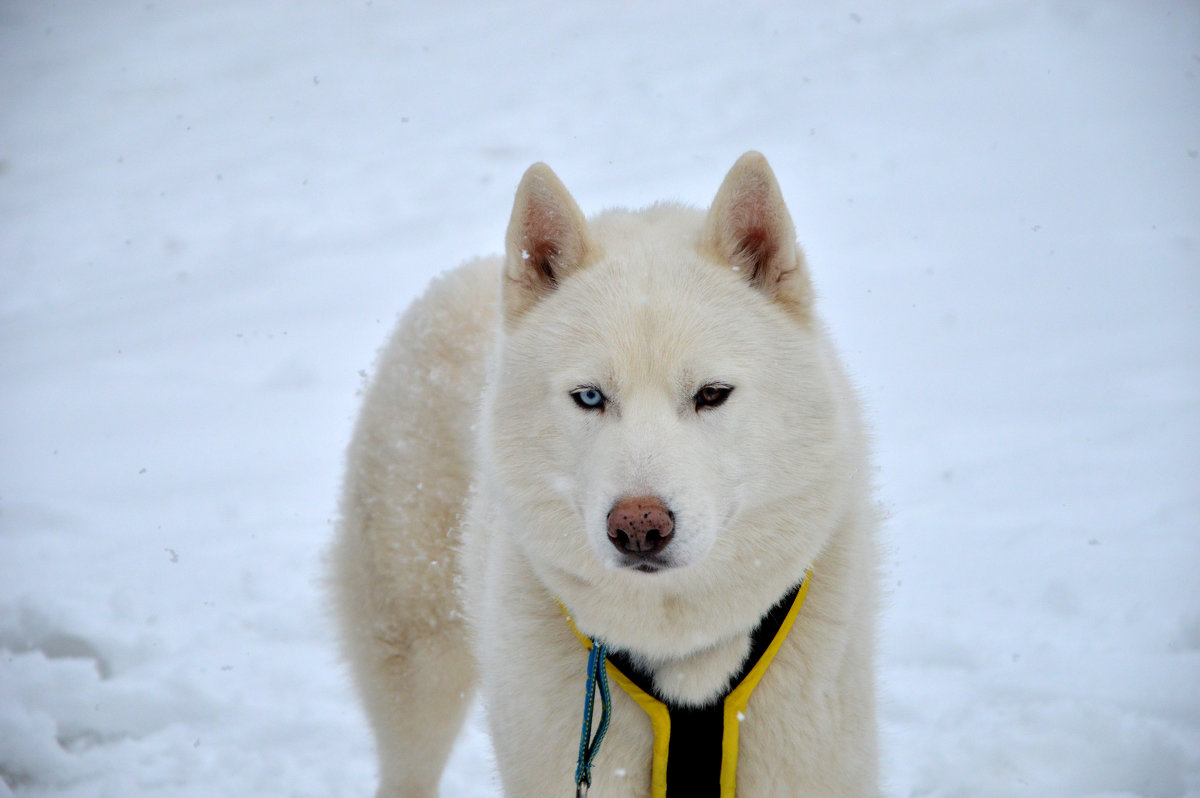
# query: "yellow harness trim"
[[734, 704]]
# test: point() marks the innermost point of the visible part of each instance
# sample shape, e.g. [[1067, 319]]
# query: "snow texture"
[[210, 213]]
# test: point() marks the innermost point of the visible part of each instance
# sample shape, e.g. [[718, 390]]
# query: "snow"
[[210, 214]]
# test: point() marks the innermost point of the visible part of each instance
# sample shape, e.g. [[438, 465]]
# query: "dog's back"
[[407, 477]]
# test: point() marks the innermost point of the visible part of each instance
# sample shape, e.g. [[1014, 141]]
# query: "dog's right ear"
[[547, 239]]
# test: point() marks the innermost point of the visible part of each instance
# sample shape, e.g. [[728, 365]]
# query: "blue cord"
[[597, 676]]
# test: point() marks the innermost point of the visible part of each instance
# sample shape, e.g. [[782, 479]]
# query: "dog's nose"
[[640, 526]]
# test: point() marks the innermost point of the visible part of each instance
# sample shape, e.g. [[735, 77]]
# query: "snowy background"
[[211, 213]]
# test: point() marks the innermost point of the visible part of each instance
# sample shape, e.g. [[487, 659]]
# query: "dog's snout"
[[640, 526]]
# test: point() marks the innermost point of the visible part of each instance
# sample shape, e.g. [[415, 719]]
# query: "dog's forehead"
[[658, 312], [652, 300]]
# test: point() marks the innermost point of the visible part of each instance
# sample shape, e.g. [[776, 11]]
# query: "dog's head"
[[665, 406]]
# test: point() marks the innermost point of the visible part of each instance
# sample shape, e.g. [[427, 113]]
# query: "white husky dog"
[[631, 430]]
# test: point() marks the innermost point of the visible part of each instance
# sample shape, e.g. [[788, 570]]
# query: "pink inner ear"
[[544, 240], [756, 247], [542, 257], [755, 233]]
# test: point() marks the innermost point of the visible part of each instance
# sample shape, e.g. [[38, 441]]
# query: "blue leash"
[[597, 676]]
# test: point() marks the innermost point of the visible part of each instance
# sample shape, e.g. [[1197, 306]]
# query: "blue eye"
[[588, 398]]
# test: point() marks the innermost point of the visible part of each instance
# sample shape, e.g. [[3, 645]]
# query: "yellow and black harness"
[[695, 748]]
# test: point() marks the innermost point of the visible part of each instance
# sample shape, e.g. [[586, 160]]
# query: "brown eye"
[[713, 395]]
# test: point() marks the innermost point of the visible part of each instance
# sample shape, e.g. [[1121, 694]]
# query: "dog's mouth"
[[645, 565]]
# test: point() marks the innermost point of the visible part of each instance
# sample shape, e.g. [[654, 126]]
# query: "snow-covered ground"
[[211, 212]]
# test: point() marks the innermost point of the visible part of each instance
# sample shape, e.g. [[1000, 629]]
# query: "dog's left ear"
[[749, 227], [547, 239]]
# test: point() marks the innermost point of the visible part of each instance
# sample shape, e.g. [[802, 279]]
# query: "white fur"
[[469, 432]]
